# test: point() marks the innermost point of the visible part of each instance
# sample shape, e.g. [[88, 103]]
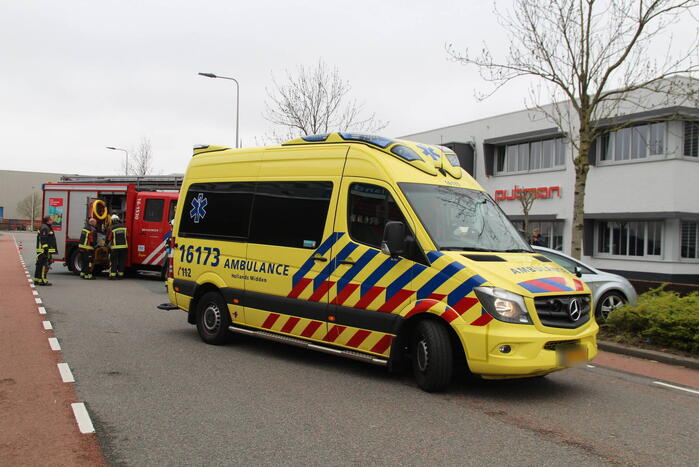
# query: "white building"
[[642, 195]]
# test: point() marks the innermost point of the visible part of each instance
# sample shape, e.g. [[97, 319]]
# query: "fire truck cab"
[[145, 212]]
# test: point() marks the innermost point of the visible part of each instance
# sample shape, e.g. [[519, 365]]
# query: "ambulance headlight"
[[503, 305]]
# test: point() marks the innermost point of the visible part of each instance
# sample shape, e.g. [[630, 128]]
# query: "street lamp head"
[[208, 75]]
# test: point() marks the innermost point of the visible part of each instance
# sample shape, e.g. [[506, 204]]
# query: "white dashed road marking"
[[34, 292], [66, 374], [83, 418], [53, 342], [37, 300], [47, 325], [679, 388], [42, 310]]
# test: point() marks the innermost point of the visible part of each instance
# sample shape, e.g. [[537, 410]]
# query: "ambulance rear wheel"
[[213, 319], [432, 356]]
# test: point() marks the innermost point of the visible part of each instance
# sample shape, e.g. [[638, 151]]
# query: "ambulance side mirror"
[[393, 243], [578, 271]]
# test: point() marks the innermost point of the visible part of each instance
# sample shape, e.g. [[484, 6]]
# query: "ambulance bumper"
[[531, 352]]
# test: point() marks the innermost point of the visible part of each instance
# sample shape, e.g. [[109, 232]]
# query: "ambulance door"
[[289, 252], [148, 238], [371, 287]]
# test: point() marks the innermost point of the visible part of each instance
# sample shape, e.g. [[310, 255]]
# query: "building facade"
[[642, 193], [15, 186]]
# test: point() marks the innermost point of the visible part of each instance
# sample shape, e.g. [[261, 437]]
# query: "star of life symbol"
[[198, 212], [428, 151]]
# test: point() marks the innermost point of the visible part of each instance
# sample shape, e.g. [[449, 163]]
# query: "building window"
[[550, 233], [691, 139], [532, 156], [634, 142], [689, 241], [630, 238]]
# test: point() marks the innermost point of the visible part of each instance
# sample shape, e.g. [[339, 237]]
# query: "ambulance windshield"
[[462, 219]]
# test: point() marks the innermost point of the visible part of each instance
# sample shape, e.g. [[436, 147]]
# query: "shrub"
[[661, 318]]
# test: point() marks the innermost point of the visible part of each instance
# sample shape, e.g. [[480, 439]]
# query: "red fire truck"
[[146, 205]]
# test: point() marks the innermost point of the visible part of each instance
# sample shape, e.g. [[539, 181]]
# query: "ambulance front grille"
[[560, 312]]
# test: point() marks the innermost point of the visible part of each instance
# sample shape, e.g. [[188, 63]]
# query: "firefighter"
[[45, 247], [118, 248], [88, 240]]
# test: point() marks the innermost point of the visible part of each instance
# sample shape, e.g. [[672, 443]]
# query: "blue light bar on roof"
[[379, 141], [316, 138], [404, 152]]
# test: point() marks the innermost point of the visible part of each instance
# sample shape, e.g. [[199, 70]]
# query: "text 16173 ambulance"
[[375, 249]]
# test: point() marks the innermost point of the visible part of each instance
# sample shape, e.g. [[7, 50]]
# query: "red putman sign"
[[544, 192]]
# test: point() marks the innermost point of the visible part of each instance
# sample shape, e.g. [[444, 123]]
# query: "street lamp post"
[[126, 158], [237, 102]]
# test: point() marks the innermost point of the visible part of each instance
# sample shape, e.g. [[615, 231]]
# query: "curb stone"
[[670, 359]]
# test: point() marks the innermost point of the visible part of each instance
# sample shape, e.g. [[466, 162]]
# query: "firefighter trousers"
[[87, 263], [43, 260], [117, 260]]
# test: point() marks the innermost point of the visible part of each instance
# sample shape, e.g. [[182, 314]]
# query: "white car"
[[609, 291]]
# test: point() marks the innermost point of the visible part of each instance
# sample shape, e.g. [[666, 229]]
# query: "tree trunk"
[[581, 168]]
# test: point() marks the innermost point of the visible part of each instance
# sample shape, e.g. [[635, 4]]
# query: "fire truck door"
[[149, 241]]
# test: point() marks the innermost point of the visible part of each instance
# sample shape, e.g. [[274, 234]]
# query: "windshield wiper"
[[517, 250], [463, 248]]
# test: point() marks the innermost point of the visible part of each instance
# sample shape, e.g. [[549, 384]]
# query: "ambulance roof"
[[431, 159]]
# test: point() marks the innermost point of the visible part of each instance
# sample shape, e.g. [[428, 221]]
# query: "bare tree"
[[592, 60], [141, 160], [24, 207], [315, 101], [527, 196]]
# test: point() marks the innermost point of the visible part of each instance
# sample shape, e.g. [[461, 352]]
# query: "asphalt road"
[[160, 396]]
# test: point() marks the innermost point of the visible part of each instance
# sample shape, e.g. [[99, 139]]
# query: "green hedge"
[[660, 318]]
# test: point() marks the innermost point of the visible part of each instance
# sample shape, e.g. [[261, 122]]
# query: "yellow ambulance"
[[376, 249]]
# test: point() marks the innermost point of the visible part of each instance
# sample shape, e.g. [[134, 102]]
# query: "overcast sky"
[[81, 75]]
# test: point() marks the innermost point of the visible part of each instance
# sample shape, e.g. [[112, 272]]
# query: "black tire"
[[607, 303], [213, 319], [75, 264], [432, 356]]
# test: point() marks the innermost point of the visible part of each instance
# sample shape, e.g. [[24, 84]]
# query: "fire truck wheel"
[[213, 319], [75, 264], [432, 356]]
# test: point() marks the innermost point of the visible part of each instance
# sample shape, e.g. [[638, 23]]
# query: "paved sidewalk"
[[38, 423]]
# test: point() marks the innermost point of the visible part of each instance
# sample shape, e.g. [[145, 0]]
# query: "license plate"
[[571, 356]]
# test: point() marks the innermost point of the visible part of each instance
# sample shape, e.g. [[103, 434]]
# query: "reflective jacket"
[[45, 240], [116, 237], [88, 238]]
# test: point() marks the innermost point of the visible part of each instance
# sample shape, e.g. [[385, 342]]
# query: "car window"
[[566, 263]]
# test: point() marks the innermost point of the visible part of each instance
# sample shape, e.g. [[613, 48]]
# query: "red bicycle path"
[[37, 425]]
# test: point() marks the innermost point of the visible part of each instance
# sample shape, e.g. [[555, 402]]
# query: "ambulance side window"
[[219, 211], [154, 210], [370, 207], [291, 214]]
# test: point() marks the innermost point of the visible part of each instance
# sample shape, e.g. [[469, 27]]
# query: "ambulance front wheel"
[[432, 356], [213, 319]]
